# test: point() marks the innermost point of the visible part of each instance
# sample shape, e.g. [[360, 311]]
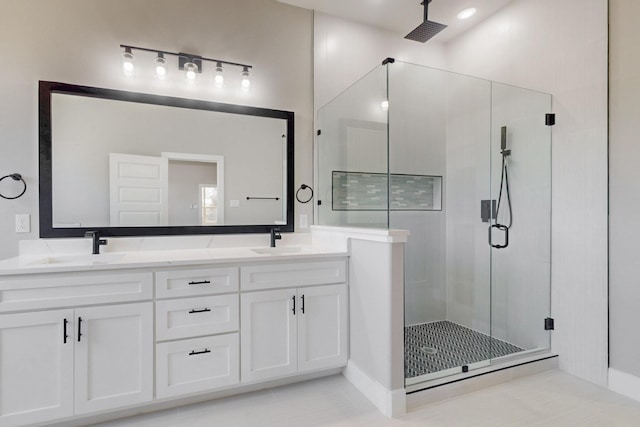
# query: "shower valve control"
[[487, 210]]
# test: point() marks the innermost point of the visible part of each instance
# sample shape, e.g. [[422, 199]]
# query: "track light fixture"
[[191, 64], [219, 78], [127, 61], [161, 66], [246, 83]]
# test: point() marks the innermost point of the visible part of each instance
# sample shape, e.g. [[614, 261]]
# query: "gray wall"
[[77, 41], [624, 176]]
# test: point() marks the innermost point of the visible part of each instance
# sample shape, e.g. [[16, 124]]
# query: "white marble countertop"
[[59, 263]]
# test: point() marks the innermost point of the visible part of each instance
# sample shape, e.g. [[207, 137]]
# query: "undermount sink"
[[98, 259], [278, 250]]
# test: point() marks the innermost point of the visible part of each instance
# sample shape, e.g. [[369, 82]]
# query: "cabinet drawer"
[[190, 317], [198, 364], [63, 290], [266, 276], [206, 281]]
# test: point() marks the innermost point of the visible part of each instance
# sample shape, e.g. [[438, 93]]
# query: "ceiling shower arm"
[[426, 9]]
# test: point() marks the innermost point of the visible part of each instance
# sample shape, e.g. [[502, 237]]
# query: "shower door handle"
[[506, 236]]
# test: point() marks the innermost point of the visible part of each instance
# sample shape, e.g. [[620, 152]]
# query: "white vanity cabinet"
[[204, 354], [76, 360], [296, 328], [79, 343]]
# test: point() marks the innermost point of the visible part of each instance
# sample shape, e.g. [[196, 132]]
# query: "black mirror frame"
[[46, 89]]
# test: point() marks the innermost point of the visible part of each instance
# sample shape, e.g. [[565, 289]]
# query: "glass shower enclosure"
[[464, 164]]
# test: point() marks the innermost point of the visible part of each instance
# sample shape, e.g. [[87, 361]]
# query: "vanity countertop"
[[60, 263]]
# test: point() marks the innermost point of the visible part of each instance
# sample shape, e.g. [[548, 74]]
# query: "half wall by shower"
[[464, 164]]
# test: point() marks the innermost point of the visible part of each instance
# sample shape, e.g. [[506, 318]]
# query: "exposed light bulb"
[[384, 105], [246, 83], [219, 78], [161, 66], [467, 13], [191, 70], [127, 62]]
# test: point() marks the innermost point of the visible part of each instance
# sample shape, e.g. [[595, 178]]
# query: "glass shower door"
[[521, 184]]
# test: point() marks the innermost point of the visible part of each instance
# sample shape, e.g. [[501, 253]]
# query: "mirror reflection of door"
[[138, 190], [172, 189]]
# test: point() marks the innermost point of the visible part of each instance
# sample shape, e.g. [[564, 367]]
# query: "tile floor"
[[549, 399]]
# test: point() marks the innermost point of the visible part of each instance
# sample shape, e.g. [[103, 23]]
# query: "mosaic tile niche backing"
[[368, 192]]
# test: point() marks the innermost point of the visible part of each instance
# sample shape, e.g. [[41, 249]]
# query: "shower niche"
[[415, 148]]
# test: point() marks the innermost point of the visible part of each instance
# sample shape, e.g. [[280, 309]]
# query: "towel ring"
[[15, 177], [304, 187]]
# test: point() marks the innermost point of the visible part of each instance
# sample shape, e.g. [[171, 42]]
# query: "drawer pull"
[[201, 282], [302, 308], [293, 298], [195, 353], [202, 310], [64, 333]]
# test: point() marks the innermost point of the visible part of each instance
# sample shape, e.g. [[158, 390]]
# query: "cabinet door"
[[268, 334], [113, 356], [36, 367], [322, 327]]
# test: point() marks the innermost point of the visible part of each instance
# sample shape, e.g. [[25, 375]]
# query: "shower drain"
[[429, 350]]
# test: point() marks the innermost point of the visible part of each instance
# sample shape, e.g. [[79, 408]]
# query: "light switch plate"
[[234, 203], [304, 222], [23, 223]]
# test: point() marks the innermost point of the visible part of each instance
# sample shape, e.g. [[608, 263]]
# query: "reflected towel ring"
[[15, 177], [304, 187]]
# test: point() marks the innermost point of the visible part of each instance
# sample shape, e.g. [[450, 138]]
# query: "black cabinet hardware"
[[64, 332], [202, 282], [79, 328], [302, 308], [202, 310], [293, 298], [195, 353]]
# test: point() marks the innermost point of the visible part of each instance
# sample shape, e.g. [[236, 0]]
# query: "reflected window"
[[208, 204]]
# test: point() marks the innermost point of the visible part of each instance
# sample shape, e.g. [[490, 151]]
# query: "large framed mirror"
[[133, 164]]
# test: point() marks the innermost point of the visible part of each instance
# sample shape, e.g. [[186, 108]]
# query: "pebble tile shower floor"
[[435, 346]]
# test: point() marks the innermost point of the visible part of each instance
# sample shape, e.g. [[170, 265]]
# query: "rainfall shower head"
[[427, 29]]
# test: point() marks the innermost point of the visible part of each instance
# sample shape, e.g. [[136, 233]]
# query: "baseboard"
[[391, 403], [624, 383]]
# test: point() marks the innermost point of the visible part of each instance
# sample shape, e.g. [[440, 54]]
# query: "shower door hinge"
[[319, 202], [389, 60], [550, 119], [319, 132], [548, 324]]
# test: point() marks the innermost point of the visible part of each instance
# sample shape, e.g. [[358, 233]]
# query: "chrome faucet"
[[97, 241], [275, 235]]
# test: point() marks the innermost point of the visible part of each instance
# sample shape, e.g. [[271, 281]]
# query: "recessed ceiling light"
[[467, 13]]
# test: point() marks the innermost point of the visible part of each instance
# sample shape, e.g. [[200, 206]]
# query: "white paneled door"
[[139, 190], [36, 367], [322, 327], [113, 350]]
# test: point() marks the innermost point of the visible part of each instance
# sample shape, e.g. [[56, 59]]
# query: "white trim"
[[391, 403], [205, 158], [371, 234], [624, 383]]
